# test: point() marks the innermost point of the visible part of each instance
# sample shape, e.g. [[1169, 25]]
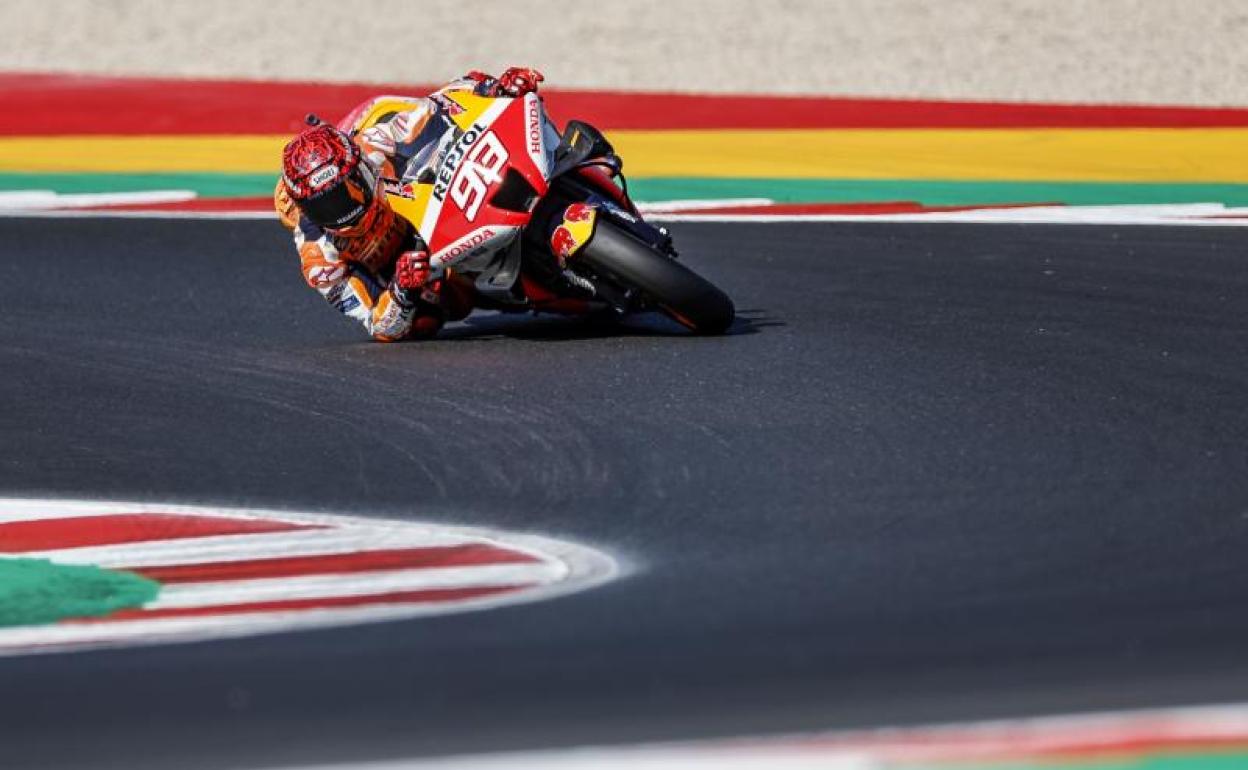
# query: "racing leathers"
[[354, 267]]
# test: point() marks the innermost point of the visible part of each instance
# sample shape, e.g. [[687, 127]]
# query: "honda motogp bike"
[[503, 197]]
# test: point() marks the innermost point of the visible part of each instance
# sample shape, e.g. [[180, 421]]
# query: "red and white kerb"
[[230, 572]]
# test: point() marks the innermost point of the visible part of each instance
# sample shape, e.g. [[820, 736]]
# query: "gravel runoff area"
[[1131, 51]]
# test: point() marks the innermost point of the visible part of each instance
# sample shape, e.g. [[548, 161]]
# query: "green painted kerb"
[[36, 591]]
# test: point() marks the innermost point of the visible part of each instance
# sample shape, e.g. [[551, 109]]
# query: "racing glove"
[[484, 84], [518, 81], [414, 279], [416, 288]]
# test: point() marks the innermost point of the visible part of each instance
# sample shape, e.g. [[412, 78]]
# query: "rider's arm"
[[385, 312], [382, 141]]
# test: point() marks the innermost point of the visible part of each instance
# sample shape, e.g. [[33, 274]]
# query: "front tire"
[[682, 294]]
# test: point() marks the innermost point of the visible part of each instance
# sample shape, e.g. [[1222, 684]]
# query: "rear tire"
[[688, 298]]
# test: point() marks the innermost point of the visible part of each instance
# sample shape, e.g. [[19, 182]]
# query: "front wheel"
[[687, 297]]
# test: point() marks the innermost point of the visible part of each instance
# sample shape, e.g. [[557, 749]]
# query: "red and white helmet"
[[328, 179]]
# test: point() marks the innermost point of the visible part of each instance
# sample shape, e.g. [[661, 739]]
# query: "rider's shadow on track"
[[557, 328]]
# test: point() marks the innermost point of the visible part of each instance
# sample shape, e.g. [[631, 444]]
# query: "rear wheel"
[[687, 297]]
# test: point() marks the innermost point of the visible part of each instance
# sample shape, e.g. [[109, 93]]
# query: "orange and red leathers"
[[353, 267]]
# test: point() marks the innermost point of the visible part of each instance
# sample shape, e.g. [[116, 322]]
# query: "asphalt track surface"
[[937, 472]]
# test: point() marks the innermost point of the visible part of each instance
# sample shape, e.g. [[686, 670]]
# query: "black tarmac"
[[937, 472]]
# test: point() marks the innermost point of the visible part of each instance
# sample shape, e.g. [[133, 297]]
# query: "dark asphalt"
[[938, 472]]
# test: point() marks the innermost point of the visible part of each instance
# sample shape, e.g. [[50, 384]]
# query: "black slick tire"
[[682, 294]]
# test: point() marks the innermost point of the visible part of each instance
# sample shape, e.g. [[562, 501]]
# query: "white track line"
[[266, 545], [642, 759], [24, 200], [1012, 742], [655, 207], [181, 595], [22, 510], [647, 758]]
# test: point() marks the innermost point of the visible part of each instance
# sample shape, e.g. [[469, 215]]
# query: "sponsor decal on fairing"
[[533, 132], [482, 169], [477, 243], [570, 237], [433, 211], [450, 164]]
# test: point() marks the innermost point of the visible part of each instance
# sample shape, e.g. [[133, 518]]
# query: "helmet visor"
[[340, 205]]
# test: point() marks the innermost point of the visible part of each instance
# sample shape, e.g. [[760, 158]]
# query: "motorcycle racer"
[[367, 262]]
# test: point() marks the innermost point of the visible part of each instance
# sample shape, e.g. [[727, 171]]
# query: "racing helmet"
[[330, 181]]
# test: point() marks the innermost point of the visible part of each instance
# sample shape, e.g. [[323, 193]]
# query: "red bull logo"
[[580, 212], [576, 230]]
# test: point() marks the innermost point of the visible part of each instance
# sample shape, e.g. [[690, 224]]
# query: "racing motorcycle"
[[503, 196]]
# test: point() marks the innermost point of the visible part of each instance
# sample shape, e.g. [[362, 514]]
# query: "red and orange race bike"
[[529, 215]]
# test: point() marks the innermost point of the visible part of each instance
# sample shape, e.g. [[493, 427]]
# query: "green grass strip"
[[36, 591]]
